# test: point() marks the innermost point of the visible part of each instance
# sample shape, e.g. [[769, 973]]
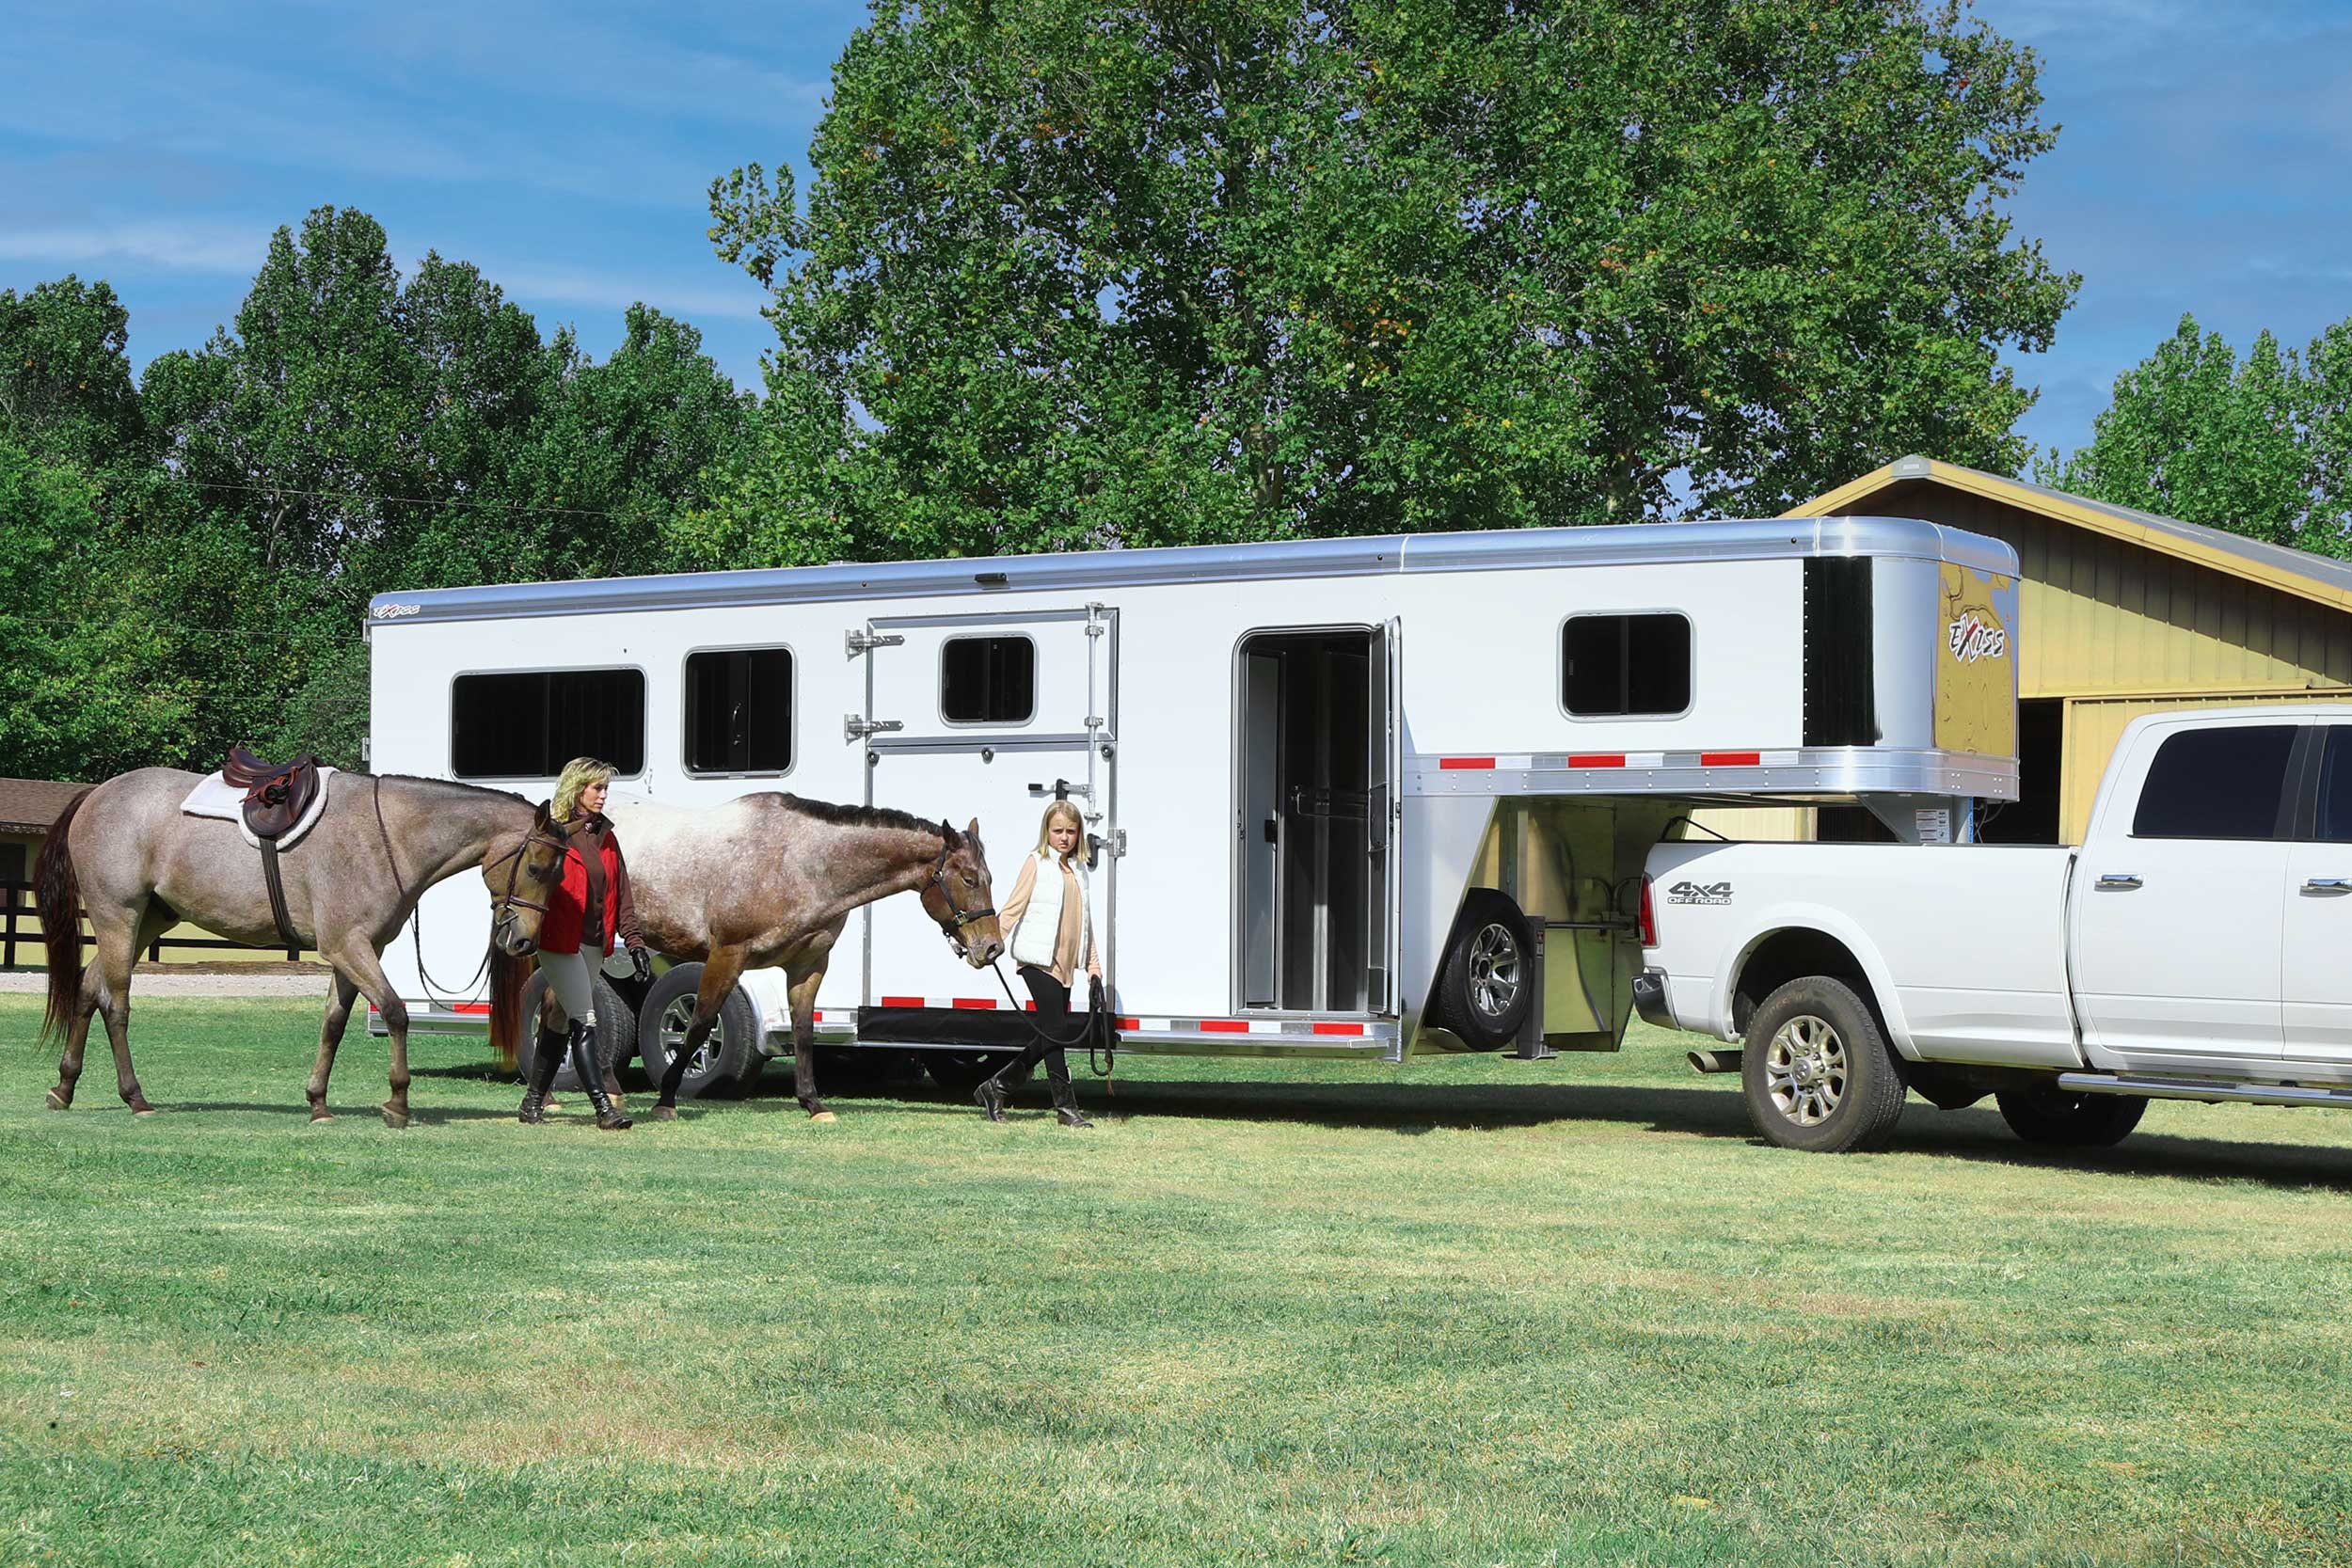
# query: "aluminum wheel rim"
[[1494, 970], [1804, 1069], [675, 1019]]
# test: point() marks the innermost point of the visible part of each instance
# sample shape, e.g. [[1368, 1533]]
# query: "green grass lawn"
[[1475, 1311]]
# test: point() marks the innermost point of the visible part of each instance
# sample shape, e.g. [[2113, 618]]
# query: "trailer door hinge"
[[866, 642], [1115, 843], [856, 728]]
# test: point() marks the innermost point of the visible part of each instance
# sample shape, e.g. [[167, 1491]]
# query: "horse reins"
[[513, 860]]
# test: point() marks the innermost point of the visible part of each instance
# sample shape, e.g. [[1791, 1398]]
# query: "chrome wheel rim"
[[1495, 973], [675, 1020], [1804, 1069]]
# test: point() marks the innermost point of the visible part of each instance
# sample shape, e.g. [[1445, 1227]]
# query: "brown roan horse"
[[768, 880], [126, 852]]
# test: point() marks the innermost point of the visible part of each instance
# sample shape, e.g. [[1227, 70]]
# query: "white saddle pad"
[[218, 796]]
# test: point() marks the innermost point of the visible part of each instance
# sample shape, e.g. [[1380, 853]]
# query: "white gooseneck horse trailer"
[[1352, 796]]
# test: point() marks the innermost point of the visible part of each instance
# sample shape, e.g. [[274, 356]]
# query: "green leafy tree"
[[1081, 273], [65, 377], [2258, 447]]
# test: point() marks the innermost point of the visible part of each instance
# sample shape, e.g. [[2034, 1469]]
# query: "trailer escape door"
[[986, 715]]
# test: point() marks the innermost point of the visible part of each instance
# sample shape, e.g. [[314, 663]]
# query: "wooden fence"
[[19, 926]]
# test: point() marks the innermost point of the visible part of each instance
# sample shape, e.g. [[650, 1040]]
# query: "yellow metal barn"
[[2120, 613]]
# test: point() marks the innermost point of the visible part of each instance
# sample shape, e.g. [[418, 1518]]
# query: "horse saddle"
[[277, 793]]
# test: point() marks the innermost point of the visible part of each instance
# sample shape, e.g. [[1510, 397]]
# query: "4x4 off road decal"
[[1699, 892]]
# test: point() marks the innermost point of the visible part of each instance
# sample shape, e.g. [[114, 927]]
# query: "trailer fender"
[[1786, 941]]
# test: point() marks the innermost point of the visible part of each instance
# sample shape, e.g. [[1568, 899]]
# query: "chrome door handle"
[[2329, 884], [2119, 882]]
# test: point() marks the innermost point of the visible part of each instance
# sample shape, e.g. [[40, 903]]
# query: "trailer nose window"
[[1620, 666], [738, 711], [529, 725], [988, 680]]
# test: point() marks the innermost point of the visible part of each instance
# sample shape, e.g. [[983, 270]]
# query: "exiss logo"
[[1698, 893], [1976, 635]]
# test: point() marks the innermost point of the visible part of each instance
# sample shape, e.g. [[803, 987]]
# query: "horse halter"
[[510, 900], [952, 925]]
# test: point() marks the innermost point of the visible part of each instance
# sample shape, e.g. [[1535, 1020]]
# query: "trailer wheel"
[[1488, 981], [616, 1030], [2045, 1114], [1817, 1072], [729, 1061], [960, 1071]]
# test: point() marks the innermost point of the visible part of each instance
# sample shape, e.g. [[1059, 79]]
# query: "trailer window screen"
[[2215, 784], [988, 680], [738, 711], [1613, 666], [529, 725]]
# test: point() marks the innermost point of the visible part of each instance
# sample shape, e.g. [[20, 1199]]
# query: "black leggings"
[[1053, 1018]]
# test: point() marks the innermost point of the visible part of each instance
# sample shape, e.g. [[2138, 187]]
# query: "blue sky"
[[565, 150]]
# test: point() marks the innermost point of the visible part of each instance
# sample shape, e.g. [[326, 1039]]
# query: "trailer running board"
[[2208, 1090]]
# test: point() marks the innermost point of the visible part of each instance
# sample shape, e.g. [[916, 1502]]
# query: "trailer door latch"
[[854, 728], [866, 642]]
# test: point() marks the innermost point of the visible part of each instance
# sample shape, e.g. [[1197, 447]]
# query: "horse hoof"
[[822, 1115], [320, 1114], [142, 1110], [396, 1120], [663, 1113], [60, 1102]]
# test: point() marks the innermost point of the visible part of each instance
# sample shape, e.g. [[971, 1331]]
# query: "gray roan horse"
[[127, 854], [770, 881]]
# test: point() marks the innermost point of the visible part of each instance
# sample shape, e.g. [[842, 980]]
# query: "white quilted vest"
[[1041, 923]]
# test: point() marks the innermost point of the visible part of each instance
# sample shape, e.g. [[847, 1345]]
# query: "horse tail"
[[508, 976], [57, 898]]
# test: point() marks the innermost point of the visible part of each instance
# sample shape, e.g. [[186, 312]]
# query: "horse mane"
[[451, 784], [871, 816]]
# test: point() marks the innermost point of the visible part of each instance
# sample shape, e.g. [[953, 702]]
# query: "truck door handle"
[[2119, 882], [2329, 884]]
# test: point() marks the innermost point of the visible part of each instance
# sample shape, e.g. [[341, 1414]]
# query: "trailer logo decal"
[[1699, 892], [1975, 635], [395, 611]]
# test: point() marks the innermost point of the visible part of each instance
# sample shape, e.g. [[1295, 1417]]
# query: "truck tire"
[[1488, 981], [730, 1062], [1817, 1072], [2061, 1118], [616, 1030]]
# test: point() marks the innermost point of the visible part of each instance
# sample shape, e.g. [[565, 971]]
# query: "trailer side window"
[[988, 680], [1618, 666], [528, 725], [2215, 784], [738, 711]]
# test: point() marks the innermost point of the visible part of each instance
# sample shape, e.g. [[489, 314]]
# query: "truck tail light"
[[1649, 916]]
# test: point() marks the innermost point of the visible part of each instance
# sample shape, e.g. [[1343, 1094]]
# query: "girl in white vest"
[[1050, 913]]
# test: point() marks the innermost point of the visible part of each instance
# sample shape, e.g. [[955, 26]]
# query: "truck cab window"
[[2222, 783], [738, 711], [2335, 786], [528, 725], [1621, 666], [988, 680]]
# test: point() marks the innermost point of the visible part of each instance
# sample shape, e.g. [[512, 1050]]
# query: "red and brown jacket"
[[594, 895]]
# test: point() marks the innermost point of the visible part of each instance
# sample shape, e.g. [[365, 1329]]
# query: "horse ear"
[[973, 833]]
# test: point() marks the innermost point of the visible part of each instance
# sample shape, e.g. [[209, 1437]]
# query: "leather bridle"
[[510, 900], [951, 925]]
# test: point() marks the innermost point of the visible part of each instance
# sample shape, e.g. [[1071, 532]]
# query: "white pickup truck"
[[2197, 947]]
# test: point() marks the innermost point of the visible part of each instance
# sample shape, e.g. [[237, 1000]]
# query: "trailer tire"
[[1817, 1072], [731, 1061], [1487, 982], [2061, 1118], [616, 1030], [960, 1072]]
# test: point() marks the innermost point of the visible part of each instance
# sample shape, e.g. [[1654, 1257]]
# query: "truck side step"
[[2206, 1090]]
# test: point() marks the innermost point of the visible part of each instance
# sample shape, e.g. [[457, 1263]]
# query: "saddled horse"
[[770, 881], [126, 851]]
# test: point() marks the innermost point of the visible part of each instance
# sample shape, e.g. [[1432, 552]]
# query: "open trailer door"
[[1384, 771]]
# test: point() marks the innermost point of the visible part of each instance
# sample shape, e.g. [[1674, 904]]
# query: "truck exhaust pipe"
[[1713, 1061]]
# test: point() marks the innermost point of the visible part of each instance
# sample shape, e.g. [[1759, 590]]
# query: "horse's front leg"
[[355, 964], [801, 985], [340, 1002], [719, 971]]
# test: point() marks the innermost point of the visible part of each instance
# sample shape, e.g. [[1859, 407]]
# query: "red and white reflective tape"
[[1526, 762], [949, 1003], [1335, 1028]]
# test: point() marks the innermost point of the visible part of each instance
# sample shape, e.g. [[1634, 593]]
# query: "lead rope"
[[1101, 1060], [416, 920]]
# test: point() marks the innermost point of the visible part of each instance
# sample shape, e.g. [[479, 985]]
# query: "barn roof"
[[31, 805], [2280, 566]]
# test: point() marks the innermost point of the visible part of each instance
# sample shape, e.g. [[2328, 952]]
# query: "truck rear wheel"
[[2061, 1118], [1817, 1072]]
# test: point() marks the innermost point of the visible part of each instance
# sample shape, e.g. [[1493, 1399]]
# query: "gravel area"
[[166, 980]]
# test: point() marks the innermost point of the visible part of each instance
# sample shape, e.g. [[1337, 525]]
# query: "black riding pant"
[[1052, 1018]]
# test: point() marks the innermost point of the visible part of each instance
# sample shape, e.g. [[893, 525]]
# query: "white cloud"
[[189, 245], [614, 291]]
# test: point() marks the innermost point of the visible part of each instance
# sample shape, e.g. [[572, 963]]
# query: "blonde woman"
[[590, 905], [1050, 914]]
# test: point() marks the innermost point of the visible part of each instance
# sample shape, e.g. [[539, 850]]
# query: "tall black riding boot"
[[998, 1086], [590, 1067], [545, 1062], [1065, 1097]]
